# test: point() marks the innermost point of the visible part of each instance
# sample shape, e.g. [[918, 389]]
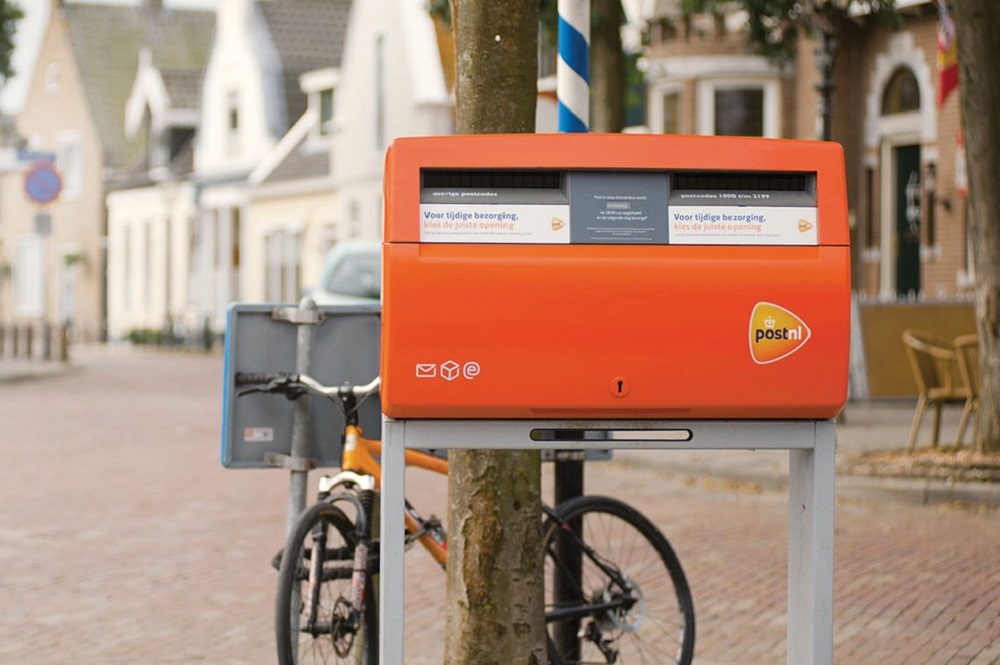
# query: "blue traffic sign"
[[42, 183]]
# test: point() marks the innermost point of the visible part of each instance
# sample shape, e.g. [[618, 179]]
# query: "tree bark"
[[495, 605], [607, 67], [496, 52], [977, 23]]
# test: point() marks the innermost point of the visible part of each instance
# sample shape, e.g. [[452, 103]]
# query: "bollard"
[[46, 340], [64, 343], [29, 339]]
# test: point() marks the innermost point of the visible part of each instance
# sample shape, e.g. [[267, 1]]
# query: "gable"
[[106, 42], [308, 35]]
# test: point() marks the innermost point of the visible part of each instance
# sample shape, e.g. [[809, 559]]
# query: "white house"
[[151, 212], [392, 83], [290, 203], [251, 97]]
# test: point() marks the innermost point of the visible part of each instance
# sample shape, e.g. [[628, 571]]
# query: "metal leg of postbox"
[[810, 549], [392, 540]]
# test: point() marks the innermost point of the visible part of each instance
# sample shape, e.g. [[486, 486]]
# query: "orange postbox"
[[580, 276]]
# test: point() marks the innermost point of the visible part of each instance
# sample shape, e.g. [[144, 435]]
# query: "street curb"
[[18, 372], [773, 477]]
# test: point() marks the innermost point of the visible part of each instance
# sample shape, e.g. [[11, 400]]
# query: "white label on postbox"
[[494, 223], [736, 225]]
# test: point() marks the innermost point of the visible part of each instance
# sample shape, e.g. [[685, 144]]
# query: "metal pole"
[[573, 96], [300, 448]]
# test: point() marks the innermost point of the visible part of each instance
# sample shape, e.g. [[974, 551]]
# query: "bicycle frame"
[[362, 469], [359, 464], [360, 477]]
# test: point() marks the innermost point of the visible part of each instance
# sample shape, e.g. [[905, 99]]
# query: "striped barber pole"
[[573, 66]]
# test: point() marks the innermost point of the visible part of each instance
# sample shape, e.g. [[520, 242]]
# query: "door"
[[907, 199]]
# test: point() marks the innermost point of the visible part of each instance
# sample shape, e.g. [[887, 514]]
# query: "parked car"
[[351, 274]]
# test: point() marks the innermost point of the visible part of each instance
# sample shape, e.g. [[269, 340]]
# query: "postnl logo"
[[775, 333]]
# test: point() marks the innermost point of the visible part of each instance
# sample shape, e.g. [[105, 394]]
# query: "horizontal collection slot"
[[738, 181], [488, 179]]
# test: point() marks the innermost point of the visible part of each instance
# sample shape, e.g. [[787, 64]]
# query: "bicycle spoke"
[[316, 620], [639, 605]]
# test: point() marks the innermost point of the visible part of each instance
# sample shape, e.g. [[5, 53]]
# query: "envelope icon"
[[426, 370]]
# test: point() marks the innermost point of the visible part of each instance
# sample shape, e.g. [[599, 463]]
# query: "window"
[[739, 112], [234, 237], [172, 142], [548, 54], [282, 252], [29, 276], [354, 220], [380, 92], [326, 111], [126, 282], [233, 121], [738, 108], [146, 269], [671, 113], [69, 161], [902, 93]]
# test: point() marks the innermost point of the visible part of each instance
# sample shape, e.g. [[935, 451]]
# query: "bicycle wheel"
[[629, 603], [317, 623]]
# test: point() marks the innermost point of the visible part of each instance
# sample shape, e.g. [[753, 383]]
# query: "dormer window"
[[320, 87], [170, 143], [233, 121]]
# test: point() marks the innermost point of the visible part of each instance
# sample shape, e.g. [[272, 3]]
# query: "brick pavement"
[[122, 540]]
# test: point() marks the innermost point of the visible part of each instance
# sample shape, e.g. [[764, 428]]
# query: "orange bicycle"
[[615, 589]]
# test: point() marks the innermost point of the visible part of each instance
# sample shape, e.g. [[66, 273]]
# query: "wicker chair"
[[939, 382], [967, 354]]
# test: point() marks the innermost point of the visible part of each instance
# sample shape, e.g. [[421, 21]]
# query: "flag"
[[947, 53]]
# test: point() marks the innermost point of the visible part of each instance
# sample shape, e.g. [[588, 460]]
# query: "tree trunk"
[[977, 23], [495, 605], [496, 52], [607, 67]]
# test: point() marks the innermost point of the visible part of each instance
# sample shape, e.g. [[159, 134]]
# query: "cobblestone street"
[[123, 540]]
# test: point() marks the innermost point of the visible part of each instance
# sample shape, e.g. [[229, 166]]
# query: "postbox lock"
[[620, 386]]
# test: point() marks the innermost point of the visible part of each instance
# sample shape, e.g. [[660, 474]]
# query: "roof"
[[106, 41], [302, 163], [308, 35], [183, 86], [300, 155]]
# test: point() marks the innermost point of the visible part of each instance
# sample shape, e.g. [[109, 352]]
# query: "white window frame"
[[657, 94], [706, 89], [69, 161], [315, 84], [283, 263], [29, 279]]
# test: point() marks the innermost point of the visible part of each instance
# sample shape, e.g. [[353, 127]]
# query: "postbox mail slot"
[[614, 277]]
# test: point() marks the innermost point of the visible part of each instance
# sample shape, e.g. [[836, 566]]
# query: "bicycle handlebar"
[[251, 378], [289, 379]]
